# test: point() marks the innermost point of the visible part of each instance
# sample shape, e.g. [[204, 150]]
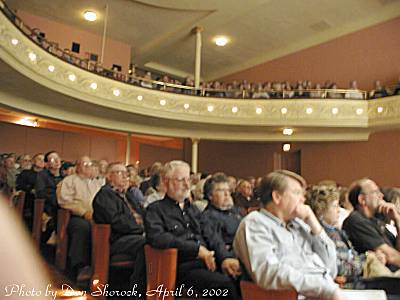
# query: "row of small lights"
[[116, 92]]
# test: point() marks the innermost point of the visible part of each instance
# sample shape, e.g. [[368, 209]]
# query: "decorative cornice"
[[226, 114]]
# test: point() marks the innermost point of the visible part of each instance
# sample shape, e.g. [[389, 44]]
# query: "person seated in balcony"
[[174, 222], [277, 90], [132, 76], [244, 198], [354, 92], [379, 91], [217, 90], [75, 194], [167, 88], [260, 93], [307, 87], [283, 246], [229, 93], [45, 187], [117, 74], [288, 92], [299, 92], [26, 182], [397, 88], [147, 81], [317, 93], [112, 205], [220, 212], [333, 94]]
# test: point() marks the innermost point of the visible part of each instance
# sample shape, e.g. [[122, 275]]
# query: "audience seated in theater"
[[9, 172], [198, 196], [26, 182], [366, 231], [75, 194], [24, 163], [174, 222], [45, 187], [112, 205], [220, 212], [397, 88], [155, 169], [379, 91], [232, 182], [354, 92], [317, 93], [244, 198], [158, 192], [345, 206], [332, 94], [147, 82], [283, 246], [324, 201], [67, 168], [134, 191], [392, 195]]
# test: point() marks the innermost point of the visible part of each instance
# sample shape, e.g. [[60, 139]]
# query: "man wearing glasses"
[[365, 230], [174, 222], [75, 193], [114, 205]]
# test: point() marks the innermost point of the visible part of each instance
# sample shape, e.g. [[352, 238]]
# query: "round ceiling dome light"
[[90, 16], [221, 40]]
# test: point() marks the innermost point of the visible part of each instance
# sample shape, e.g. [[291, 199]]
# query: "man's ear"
[[361, 200], [276, 197]]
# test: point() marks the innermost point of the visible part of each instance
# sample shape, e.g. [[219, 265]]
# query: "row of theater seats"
[[160, 264]]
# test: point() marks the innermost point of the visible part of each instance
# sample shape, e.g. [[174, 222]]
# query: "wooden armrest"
[[251, 291]]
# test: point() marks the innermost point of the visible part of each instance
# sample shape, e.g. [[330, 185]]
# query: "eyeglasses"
[[180, 179], [87, 164], [222, 190], [120, 173]]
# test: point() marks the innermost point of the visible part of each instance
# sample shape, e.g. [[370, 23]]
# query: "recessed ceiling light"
[[93, 85], [258, 110], [90, 16], [186, 105], [210, 108], [284, 110], [72, 77], [309, 110], [14, 42], [116, 92], [51, 68], [140, 98], [286, 147], [335, 110], [359, 111], [221, 40], [379, 109], [163, 102], [287, 131], [32, 56], [235, 109]]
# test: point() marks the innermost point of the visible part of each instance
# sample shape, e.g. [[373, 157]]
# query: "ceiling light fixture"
[[28, 122], [116, 92], [140, 98], [284, 110], [379, 109], [221, 40], [309, 110], [359, 111], [258, 110], [335, 110], [51, 68], [90, 16], [286, 147], [93, 85], [14, 42], [210, 108], [235, 109], [163, 102], [186, 105], [32, 56]]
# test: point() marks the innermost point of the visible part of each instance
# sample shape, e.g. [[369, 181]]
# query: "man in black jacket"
[[112, 205], [174, 223]]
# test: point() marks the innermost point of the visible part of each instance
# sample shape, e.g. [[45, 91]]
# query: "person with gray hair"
[[174, 222]]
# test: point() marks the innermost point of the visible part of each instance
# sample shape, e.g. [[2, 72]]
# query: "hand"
[[380, 255], [88, 216], [208, 258], [389, 210], [305, 213], [231, 266]]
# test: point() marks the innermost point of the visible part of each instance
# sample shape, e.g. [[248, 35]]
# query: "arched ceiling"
[[260, 30]]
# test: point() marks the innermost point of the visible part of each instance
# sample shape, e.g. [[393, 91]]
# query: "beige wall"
[[150, 153], [369, 54], [115, 52]]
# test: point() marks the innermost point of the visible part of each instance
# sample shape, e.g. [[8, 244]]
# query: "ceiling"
[[260, 30]]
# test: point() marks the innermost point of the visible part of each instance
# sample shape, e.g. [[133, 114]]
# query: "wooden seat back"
[[161, 270], [37, 221], [63, 217], [19, 203], [251, 291]]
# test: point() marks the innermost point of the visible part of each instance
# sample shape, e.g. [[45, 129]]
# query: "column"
[[128, 149], [197, 67], [195, 154]]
